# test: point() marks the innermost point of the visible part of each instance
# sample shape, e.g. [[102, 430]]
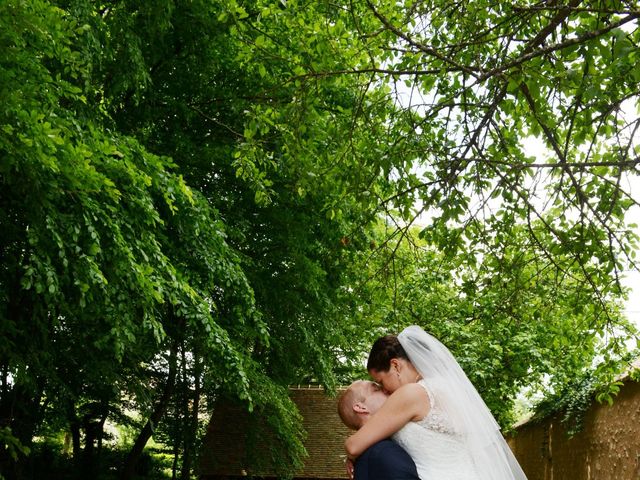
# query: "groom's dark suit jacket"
[[385, 460]]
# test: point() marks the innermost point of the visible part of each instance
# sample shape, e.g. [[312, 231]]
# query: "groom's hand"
[[350, 467]]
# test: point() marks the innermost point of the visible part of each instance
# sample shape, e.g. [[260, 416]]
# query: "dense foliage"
[[118, 278], [204, 199], [510, 135]]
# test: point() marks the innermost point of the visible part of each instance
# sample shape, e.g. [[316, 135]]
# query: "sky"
[[632, 280], [534, 147], [631, 277]]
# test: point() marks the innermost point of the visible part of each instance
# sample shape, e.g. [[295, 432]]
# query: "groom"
[[385, 460]]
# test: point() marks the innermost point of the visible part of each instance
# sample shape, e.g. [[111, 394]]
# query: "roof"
[[225, 444]]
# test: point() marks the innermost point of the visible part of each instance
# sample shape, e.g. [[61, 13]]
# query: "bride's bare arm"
[[409, 403]]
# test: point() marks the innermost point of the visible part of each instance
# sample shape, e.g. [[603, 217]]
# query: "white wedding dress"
[[438, 450], [458, 439]]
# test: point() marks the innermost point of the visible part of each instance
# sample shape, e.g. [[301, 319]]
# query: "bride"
[[433, 412]]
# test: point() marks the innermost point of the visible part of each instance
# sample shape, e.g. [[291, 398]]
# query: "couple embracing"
[[440, 427]]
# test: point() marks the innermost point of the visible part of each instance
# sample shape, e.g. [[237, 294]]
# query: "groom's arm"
[[386, 460]]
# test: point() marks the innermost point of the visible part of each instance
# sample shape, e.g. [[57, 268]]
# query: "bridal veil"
[[461, 402]]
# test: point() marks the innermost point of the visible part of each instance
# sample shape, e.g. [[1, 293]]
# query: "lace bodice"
[[438, 450], [436, 419]]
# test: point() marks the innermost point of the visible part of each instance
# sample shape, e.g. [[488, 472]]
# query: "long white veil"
[[463, 405]]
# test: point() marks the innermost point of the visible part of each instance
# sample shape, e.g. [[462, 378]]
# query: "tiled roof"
[[224, 446]]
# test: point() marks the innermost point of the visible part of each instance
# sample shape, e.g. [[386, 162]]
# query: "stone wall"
[[608, 448]]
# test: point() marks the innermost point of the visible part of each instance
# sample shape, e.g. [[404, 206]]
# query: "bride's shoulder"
[[412, 398], [413, 392]]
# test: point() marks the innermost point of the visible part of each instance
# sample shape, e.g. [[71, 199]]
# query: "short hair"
[[383, 351], [346, 401]]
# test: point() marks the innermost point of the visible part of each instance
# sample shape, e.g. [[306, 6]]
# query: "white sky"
[[632, 277], [534, 147]]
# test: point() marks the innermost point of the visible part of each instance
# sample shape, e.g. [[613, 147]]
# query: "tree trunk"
[[88, 465], [75, 438], [192, 422], [128, 468], [66, 444], [20, 402], [186, 390], [101, 433], [5, 380], [74, 428], [174, 466], [25, 417], [176, 444]]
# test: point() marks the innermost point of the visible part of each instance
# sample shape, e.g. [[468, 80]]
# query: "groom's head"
[[358, 402]]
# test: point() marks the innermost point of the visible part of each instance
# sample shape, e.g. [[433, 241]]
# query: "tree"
[[289, 236], [562, 75], [124, 264], [101, 240], [449, 136], [203, 200]]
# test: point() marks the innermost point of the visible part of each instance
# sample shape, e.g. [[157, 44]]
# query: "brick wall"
[[224, 446], [326, 434]]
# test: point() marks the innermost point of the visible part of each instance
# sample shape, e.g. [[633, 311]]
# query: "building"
[[224, 445]]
